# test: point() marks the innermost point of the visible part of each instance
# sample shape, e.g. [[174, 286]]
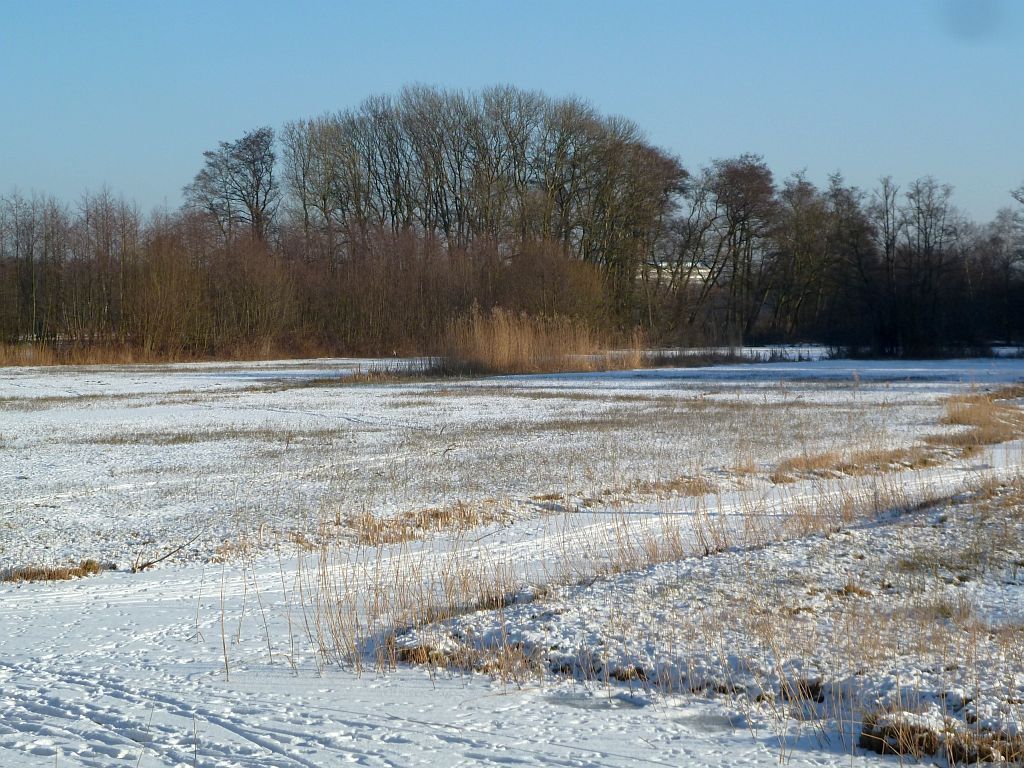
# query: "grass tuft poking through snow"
[[52, 572], [415, 524], [989, 419]]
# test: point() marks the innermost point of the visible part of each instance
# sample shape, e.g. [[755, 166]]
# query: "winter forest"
[[370, 230]]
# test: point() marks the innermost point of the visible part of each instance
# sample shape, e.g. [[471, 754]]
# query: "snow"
[[265, 463]]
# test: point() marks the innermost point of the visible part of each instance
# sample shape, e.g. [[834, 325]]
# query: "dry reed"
[[506, 342], [855, 464], [988, 419], [52, 572], [415, 524]]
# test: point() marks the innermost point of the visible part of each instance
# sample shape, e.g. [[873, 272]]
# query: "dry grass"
[[381, 372], [381, 603], [232, 548], [52, 573], [746, 466], [388, 589], [266, 434], [550, 496], [301, 540], [896, 733], [853, 589], [958, 564], [987, 418], [878, 628], [361, 601], [244, 544], [459, 516], [47, 402], [349, 615], [32, 354], [504, 342], [683, 485], [124, 353], [578, 396], [890, 734], [1009, 499], [502, 660], [856, 464], [958, 610], [687, 485], [980, 746]]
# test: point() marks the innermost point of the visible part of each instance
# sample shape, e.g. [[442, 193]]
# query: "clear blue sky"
[[129, 94]]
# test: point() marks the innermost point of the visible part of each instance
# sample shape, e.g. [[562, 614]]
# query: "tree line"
[[370, 230]]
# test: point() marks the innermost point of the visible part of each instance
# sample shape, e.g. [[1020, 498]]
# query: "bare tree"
[[236, 184], [400, 213], [803, 258], [999, 254], [883, 210], [744, 189]]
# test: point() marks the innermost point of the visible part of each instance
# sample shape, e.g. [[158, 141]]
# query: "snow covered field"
[[667, 567]]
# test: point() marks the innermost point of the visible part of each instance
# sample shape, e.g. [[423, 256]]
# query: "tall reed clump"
[[26, 354], [46, 354], [500, 341], [988, 419]]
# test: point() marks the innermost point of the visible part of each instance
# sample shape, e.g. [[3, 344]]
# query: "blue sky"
[[129, 94]]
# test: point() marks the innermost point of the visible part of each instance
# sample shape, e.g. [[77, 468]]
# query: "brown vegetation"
[[505, 342], [858, 463], [52, 573], [891, 734], [988, 419], [896, 733], [503, 661], [680, 486], [458, 516]]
